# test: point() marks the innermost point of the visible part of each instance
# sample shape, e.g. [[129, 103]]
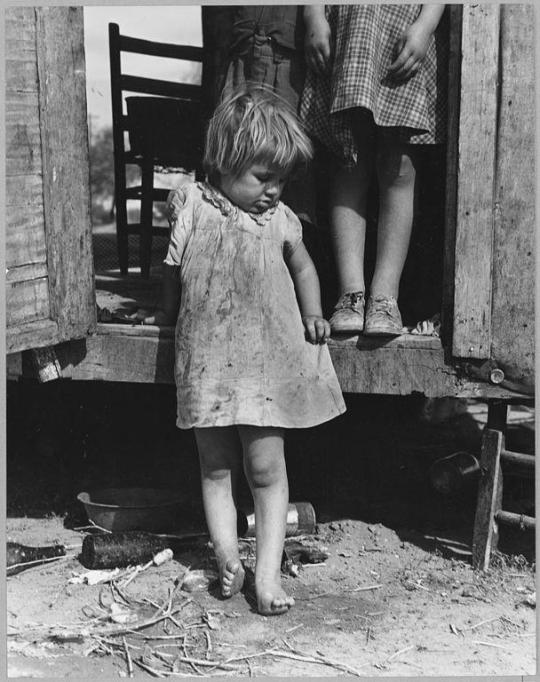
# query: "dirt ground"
[[396, 596]]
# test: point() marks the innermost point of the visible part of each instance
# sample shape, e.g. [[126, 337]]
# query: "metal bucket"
[[149, 509]]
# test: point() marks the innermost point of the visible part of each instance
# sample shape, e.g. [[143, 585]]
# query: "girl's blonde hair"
[[254, 125]]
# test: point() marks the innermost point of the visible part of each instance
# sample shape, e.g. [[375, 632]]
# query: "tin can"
[[301, 520]]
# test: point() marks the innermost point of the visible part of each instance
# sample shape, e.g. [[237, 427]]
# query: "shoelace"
[[383, 305], [349, 300]]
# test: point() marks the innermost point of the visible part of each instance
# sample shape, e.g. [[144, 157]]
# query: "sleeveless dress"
[[241, 352], [364, 39]]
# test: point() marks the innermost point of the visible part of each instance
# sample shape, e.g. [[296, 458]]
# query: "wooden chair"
[[495, 461], [165, 128]]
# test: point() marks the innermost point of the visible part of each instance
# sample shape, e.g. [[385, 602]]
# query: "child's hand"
[[318, 45], [410, 49], [158, 318], [317, 328]]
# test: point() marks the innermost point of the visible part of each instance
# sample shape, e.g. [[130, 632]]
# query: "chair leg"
[[490, 490], [146, 220], [121, 220]]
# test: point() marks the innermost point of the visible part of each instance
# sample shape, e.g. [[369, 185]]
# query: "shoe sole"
[[346, 330], [382, 332]]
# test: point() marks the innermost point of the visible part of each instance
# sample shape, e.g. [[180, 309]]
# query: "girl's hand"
[[318, 44], [410, 49], [317, 328]]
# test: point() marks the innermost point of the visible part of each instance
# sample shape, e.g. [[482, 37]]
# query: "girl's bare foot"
[[272, 599], [232, 577]]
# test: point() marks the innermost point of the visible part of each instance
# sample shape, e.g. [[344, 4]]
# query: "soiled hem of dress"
[[281, 424]]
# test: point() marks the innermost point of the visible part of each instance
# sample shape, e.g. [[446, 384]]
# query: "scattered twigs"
[[297, 656]]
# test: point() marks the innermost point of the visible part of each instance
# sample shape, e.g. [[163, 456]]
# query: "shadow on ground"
[[372, 463]]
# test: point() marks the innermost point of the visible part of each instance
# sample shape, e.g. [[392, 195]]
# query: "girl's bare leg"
[[220, 454], [348, 207], [396, 175], [348, 201], [264, 464]]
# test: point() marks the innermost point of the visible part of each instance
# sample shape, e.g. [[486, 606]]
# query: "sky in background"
[[168, 24]]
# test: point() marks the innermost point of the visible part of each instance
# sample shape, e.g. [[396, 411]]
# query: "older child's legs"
[[396, 176], [220, 456], [264, 464]]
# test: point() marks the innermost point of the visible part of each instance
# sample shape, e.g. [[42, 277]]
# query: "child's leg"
[[396, 176], [348, 207], [264, 464], [220, 456], [348, 201]]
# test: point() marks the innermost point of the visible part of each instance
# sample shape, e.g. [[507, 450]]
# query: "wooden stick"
[[317, 659], [152, 671], [483, 622], [369, 587], [128, 658], [498, 646], [38, 561], [401, 651]]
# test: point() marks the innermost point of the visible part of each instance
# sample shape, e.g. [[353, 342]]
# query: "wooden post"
[[486, 532], [476, 174]]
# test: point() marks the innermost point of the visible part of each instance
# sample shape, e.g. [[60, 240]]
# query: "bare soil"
[[396, 596]]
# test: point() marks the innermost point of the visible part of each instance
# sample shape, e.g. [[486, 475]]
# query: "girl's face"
[[256, 189]]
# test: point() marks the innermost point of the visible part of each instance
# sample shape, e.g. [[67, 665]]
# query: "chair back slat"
[[190, 53], [154, 86]]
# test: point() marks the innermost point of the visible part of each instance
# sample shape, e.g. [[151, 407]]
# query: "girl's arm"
[[318, 43], [306, 283], [166, 313], [411, 48]]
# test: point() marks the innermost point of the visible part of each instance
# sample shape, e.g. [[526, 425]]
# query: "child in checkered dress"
[[374, 92]]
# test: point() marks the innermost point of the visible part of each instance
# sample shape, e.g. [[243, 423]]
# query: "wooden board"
[[27, 301], [476, 164], [25, 227], [454, 86], [400, 366], [514, 233], [66, 191]]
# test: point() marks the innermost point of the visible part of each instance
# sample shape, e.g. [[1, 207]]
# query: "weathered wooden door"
[[491, 208], [50, 294]]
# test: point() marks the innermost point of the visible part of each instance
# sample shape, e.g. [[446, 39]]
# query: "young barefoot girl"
[[251, 358], [374, 92]]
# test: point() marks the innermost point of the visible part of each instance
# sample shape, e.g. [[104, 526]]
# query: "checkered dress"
[[364, 38]]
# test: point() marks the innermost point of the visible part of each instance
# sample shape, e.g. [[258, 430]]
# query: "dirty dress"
[[241, 352]]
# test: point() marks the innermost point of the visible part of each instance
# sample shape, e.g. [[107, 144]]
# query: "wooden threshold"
[[397, 366]]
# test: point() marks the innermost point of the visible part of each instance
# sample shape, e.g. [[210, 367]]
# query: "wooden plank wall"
[[27, 292], [49, 284], [514, 201], [476, 167]]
